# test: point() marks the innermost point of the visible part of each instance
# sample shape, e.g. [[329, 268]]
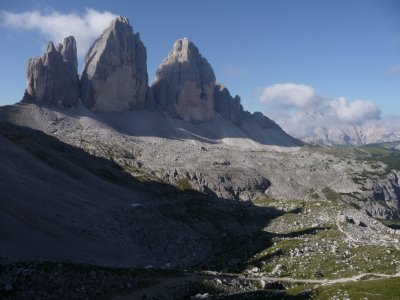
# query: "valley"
[[307, 243], [114, 189]]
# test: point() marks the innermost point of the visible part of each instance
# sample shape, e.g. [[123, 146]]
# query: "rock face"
[[263, 121], [115, 71], [184, 84], [229, 107], [53, 78]]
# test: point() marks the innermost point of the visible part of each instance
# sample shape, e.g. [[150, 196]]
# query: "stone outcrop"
[[115, 71], [184, 84], [53, 78], [229, 107]]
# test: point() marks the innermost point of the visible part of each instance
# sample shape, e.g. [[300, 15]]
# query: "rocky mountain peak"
[[184, 83], [53, 78], [115, 77], [184, 50], [69, 52], [120, 19], [50, 47]]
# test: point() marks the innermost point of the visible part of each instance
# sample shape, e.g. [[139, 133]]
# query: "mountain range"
[[115, 79], [353, 135]]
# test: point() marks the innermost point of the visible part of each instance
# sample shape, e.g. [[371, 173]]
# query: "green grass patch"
[[184, 184], [330, 194], [323, 254], [372, 154], [265, 201], [394, 224], [380, 289]]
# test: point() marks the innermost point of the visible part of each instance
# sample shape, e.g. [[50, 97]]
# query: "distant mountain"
[[368, 133]]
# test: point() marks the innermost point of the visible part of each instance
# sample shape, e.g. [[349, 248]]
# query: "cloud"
[[355, 112], [394, 70], [301, 111], [289, 95], [56, 26]]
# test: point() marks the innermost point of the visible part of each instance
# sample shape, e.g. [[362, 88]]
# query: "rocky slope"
[[87, 209], [220, 158], [53, 78]]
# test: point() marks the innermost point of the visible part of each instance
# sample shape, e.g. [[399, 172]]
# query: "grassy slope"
[[372, 290]]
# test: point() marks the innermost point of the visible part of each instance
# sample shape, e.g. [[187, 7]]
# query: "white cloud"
[[56, 26], [301, 111], [289, 94], [355, 112]]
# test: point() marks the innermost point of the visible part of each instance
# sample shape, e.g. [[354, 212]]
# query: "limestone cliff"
[[184, 83], [115, 77], [53, 77]]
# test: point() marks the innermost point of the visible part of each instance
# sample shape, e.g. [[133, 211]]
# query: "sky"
[[288, 59]]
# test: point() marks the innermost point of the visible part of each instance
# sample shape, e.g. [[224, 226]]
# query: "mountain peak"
[[185, 50], [115, 77], [69, 52], [53, 78], [120, 19], [184, 83], [183, 45], [50, 47]]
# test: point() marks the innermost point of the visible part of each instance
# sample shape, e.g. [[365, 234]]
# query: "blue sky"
[[347, 49]]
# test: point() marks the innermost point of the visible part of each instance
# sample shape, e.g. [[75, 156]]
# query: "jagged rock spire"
[[115, 77], [53, 78]]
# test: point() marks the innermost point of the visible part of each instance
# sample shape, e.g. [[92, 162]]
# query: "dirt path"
[[344, 232], [327, 281], [167, 284]]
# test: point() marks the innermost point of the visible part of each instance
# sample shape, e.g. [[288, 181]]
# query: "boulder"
[[114, 76], [53, 78], [184, 84]]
